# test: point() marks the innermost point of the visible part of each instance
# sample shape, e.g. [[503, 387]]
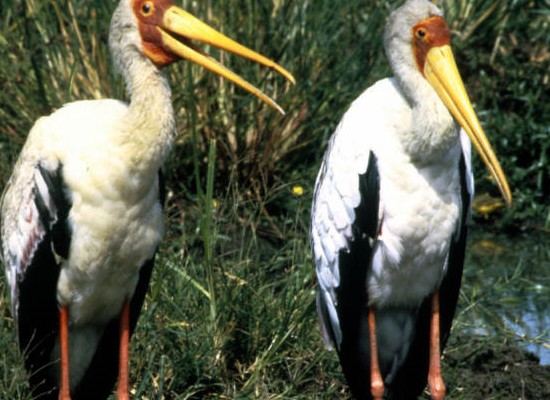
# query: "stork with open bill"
[[81, 216]]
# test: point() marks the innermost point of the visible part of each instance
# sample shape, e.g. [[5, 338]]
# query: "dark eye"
[[146, 8], [421, 33]]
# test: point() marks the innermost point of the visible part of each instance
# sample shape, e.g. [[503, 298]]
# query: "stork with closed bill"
[[81, 216], [390, 208]]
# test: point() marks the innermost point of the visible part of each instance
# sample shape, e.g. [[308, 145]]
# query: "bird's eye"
[[147, 8], [420, 33]]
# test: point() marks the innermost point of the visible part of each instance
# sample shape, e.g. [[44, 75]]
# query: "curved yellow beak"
[[441, 71], [177, 22]]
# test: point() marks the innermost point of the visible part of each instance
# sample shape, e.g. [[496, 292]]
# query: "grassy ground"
[[231, 308]]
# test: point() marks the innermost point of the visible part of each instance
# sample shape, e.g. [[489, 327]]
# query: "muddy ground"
[[481, 368]]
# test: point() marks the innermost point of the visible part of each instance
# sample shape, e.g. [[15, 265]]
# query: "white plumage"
[[391, 201]]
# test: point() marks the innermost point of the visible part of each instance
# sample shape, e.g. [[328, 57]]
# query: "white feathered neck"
[[434, 131], [148, 129]]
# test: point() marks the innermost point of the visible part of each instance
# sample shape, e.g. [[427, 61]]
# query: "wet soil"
[[481, 368]]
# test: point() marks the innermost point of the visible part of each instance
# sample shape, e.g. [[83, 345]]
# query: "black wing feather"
[[352, 293], [61, 232], [38, 312]]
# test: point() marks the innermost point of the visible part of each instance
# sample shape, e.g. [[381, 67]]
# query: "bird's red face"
[[150, 15], [427, 34], [167, 33], [431, 43]]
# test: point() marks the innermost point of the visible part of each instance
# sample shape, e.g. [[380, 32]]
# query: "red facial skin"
[[149, 14], [427, 34]]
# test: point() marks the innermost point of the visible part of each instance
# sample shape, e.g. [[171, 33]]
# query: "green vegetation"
[[231, 312]]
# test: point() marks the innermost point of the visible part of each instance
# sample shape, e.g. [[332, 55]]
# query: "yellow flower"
[[297, 190]]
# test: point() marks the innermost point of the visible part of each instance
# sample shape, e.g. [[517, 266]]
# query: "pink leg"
[[123, 392], [64, 391], [376, 383], [435, 380]]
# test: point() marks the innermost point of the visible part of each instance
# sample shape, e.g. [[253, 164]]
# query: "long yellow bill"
[[181, 23], [441, 71]]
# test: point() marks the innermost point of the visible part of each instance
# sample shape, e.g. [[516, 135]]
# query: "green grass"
[[231, 310]]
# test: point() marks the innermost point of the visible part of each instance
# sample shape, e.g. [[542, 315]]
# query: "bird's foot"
[[377, 388], [64, 395], [122, 394], [437, 387]]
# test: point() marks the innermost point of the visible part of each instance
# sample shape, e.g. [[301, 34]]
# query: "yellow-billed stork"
[[390, 209], [81, 216]]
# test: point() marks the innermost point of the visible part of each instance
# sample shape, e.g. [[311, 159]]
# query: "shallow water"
[[506, 289]]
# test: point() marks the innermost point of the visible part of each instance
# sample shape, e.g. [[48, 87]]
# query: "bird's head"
[[164, 33], [418, 45]]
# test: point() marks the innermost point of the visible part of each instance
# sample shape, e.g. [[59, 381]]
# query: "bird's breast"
[[419, 212], [110, 243], [116, 223]]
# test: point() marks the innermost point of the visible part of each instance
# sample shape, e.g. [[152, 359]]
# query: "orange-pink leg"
[[376, 383], [64, 391], [123, 392], [435, 380]]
